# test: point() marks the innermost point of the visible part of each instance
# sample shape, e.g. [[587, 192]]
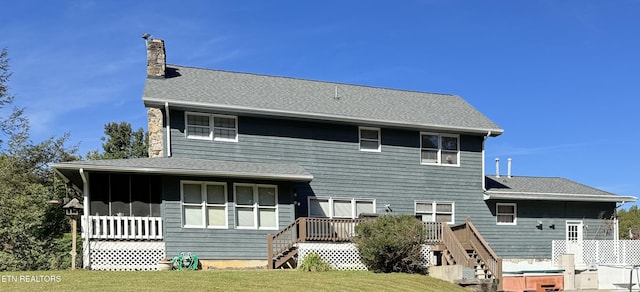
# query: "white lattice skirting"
[[343, 256], [126, 255], [598, 252]]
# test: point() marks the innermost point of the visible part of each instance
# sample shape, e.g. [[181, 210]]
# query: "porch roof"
[[185, 166], [547, 189]]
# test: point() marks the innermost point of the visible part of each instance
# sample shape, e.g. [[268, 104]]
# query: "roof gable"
[[262, 94]]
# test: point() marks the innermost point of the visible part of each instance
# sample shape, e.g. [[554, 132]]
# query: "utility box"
[[587, 280]]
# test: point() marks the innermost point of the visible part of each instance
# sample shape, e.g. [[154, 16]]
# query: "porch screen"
[[124, 195]]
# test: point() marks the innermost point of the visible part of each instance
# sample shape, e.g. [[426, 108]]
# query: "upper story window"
[[211, 127], [256, 206], [435, 211], [340, 208], [506, 213], [439, 149], [204, 204], [370, 139]]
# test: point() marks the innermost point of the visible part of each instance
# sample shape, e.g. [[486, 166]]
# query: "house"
[[238, 157]]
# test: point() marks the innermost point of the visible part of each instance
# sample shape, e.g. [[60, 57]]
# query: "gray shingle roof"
[[546, 188], [188, 87], [186, 166]]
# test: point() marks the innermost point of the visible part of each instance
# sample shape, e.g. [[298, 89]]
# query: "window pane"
[[319, 208], [192, 215], [266, 196], [430, 141], [192, 193], [267, 218], [427, 218], [245, 217], [444, 208], [198, 131], [215, 194], [224, 122], [510, 209], [369, 145], [449, 143], [244, 195], [364, 207], [429, 156], [215, 216], [224, 133], [341, 208], [449, 157], [369, 134], [505, 219], [197, 120], [440, 217], [424, 207]]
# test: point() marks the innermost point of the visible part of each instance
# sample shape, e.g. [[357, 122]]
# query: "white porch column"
[[85, 222]]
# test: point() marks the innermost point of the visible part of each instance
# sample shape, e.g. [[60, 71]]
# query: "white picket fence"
[[597, 252], [122, 227]]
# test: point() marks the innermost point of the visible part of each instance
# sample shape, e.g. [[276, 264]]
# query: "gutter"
[[529, 196], [240, 174], [319, 116]]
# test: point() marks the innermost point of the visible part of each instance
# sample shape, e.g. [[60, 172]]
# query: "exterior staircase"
[[456, 245]]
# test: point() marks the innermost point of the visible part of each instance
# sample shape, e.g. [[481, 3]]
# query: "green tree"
[[31, 228], [629, 223], [121, 142]]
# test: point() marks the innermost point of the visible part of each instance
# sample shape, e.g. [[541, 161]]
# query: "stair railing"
[[454, 246], [485, 252]]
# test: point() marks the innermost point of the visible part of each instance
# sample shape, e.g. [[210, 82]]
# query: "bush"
[[314, 263], [391, 244]]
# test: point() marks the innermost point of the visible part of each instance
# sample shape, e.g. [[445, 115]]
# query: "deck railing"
[[122, 227], [328, 230]]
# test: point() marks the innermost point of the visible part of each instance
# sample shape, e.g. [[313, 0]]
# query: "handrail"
[[486, 253], [454, 246]]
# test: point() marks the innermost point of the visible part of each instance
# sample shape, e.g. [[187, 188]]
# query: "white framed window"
[[340, 207], [211, 127], [204, 204], [432, 211], [198, 126], [506, 213], [256, 206], [440, 149], [370, 139]]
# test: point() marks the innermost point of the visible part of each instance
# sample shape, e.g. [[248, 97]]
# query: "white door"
[[574, 241]]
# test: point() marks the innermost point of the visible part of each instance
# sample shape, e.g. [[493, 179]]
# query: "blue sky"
[[562, 78]]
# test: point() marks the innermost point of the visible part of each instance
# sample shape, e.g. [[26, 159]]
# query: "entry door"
[[574, 241]]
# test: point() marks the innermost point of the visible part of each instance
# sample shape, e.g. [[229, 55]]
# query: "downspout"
[[166, 110], [484, 187], [85, 222]]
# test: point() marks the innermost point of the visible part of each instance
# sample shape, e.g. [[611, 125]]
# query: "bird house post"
[[73, 209]]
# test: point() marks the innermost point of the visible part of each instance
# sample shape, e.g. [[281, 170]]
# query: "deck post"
[[269, 252], [302, 229]]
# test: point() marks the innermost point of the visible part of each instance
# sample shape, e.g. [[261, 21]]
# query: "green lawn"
[[260, 280]]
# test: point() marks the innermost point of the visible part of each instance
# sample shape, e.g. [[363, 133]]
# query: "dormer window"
[[370, 139], [439, 149], [211, 127]]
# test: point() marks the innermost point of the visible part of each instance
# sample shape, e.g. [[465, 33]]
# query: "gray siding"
[[228, 243], [330, 152], [525, 240]]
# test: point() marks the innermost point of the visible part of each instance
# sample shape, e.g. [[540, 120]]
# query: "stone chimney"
[[156, 66], [156, 58]]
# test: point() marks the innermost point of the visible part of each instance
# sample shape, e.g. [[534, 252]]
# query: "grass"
[[253, 280]]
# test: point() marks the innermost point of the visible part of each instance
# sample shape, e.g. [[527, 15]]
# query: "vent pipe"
[[497, 167], [509, 168]]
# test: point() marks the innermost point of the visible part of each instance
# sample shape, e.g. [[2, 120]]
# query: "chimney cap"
[[146, 36]]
